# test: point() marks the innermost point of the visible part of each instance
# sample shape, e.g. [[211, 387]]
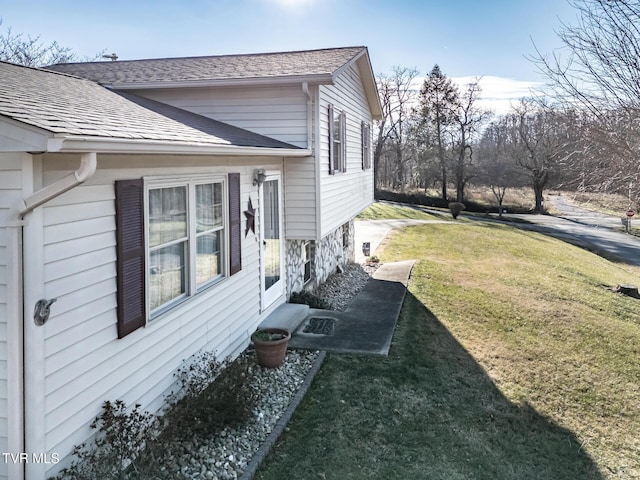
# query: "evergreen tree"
[[438, 102]]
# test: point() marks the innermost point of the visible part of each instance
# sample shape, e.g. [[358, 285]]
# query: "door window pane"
[[271, 233]]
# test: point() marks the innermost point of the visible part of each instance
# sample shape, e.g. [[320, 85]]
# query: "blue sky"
[[467, 38]]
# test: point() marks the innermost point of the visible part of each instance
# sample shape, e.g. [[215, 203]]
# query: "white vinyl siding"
[[343, 196], [85, 363], [300, 199], [277, 112], [10, 192]]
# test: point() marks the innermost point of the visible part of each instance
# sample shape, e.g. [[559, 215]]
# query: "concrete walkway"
[[367, 325]]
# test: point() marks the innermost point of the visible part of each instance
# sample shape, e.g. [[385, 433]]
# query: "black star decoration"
[[250, 213]]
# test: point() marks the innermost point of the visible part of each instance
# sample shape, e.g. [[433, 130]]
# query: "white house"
[[151, 209]]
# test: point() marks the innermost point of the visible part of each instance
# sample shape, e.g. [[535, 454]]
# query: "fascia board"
[[232, 82], [104, 145], [344, 67], [363, 64], [16, 136]]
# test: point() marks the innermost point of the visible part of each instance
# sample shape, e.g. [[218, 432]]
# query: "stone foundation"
[[295, 267], [335, 249]]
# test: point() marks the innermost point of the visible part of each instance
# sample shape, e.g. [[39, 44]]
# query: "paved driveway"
[[593, 231]]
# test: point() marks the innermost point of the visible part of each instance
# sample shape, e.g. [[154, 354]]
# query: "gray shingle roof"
[[214, 68], [63, 104]]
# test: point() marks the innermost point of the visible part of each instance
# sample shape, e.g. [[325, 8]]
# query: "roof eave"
[[324, 79], [363, 63], [72, 144], [16, 136], [370, 85]]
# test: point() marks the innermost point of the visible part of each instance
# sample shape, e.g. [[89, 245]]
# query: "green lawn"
[[511, 360], [380, 210]]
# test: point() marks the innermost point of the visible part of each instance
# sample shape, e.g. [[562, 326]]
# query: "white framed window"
[[345, 235], [337, 140], [307, 256], [186, 230], [366, 145]]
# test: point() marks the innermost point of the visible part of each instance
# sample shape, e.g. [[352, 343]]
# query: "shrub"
[[456, 208], [131, 444], [209, 404], [308, 298], [119, 447]]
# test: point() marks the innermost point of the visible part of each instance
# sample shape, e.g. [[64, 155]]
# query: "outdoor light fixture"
[[366, 248], [259, 176]]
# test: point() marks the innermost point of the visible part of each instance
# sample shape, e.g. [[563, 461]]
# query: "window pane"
[[208, 258], [167, 274], [337, 127], [208, 206], [306, 255], [337, 141], [167, 215]]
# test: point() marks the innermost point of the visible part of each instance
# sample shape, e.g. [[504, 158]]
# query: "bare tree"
[[600, 74], [468, 118], [497, 167], [32, 52], [396, 95], [541, 145], [601, 71]]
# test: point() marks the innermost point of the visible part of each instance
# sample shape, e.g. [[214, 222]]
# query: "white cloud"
[[499, 93]]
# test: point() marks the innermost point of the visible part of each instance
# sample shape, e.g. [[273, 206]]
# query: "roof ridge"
[[195, 57], [46, 70]]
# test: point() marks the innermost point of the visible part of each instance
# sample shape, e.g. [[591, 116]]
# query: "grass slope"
[[384, 210], [511, 361]]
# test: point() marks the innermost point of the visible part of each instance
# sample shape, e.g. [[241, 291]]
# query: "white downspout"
[[305, 89], [19, 420], [88, 162], [15, 380]]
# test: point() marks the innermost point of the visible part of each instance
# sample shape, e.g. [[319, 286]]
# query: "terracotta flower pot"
[[271, 349]]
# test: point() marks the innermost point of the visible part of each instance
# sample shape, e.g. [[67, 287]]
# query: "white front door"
[[272, 265]]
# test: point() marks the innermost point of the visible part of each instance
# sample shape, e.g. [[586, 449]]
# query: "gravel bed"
[[340, 288], [226, 455]]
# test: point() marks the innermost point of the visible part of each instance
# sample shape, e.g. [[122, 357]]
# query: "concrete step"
[[287, 316]]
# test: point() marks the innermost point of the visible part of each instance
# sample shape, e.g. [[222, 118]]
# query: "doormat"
[[320, 326]]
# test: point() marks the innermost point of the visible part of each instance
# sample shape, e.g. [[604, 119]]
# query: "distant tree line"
[[581, 133]]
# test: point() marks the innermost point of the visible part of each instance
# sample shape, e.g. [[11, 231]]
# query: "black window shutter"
[[235, 237], [130, 255], [331, 146]]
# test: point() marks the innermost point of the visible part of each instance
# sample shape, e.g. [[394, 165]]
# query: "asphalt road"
[[594, 231]]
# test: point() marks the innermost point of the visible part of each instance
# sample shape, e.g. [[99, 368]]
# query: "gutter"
[[324, 78], [19, 421], [71, 144]]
